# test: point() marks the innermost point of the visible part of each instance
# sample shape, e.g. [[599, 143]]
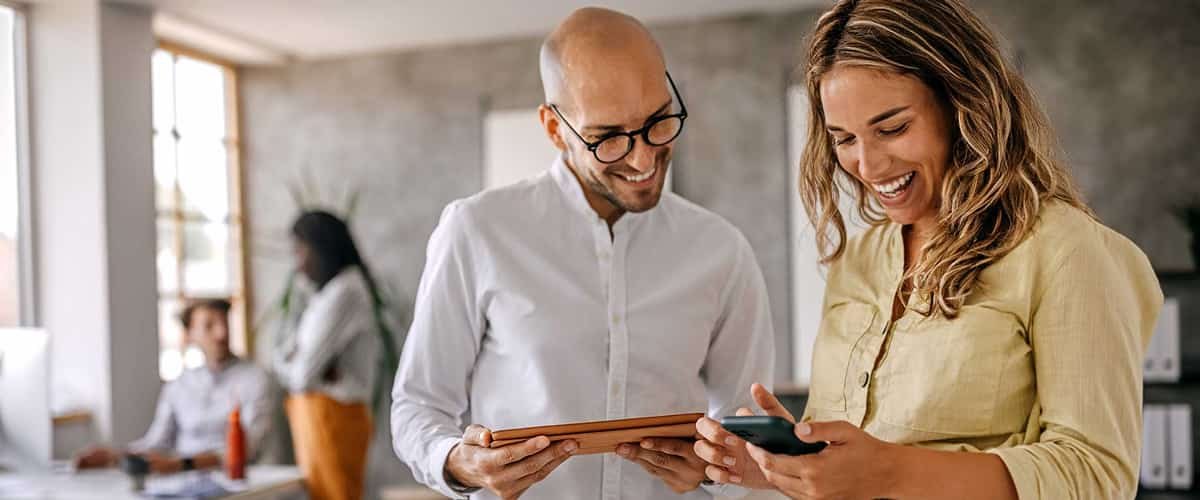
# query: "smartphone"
[[774, 434]]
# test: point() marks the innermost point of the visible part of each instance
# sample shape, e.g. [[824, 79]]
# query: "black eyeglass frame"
[[632, 135]]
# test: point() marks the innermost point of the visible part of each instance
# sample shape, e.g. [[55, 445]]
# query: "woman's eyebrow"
[[878, 118]]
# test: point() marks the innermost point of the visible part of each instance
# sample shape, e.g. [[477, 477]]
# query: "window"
[[15, 308], [197, 186]]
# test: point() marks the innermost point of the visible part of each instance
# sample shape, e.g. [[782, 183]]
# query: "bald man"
[[586, 293]]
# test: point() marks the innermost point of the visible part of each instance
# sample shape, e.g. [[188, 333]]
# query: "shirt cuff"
[[725, 490], [437, 468], [1021, 470]]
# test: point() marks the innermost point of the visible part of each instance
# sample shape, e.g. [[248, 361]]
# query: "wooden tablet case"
[[604, 436]]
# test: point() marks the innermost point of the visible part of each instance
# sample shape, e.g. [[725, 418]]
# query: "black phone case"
[[773, 434]]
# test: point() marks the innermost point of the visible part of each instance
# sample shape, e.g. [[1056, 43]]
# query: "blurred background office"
[[157, 151]]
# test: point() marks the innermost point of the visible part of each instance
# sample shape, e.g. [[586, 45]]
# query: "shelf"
[[1167, 494], [1185, 382], [1172, 393], [1177, 276]]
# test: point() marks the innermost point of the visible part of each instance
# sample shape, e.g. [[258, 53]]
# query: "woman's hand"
[[854, 465], [726, 453]]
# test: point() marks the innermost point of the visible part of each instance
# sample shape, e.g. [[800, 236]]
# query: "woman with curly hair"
[[984, 337]]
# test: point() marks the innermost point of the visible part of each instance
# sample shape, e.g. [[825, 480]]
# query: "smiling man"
[[584, 294]]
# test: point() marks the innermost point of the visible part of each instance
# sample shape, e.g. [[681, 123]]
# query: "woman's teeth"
[[640, 178], [894, 187]]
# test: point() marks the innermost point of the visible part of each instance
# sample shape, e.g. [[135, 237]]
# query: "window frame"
[[236, 219], [27, 310]]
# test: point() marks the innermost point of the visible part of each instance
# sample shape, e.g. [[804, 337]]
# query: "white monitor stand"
[[25, 420]]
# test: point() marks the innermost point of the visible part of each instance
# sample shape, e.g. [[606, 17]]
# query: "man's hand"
[[161, 463], [672, 460], [507, 471], [97, 457]]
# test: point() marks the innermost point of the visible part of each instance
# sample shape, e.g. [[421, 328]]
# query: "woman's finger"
[[716, 455], [712, 431], [769, 403]]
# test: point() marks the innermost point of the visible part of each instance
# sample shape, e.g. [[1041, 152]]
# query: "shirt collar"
[[214, 376], [569, 185], [573, 191]]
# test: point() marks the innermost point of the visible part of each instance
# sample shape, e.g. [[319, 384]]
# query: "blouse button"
[[863, 379]]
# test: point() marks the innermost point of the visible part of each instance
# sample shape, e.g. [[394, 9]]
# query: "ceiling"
[[273, 31]]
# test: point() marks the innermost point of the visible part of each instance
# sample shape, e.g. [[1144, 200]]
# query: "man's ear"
[[550, 125]]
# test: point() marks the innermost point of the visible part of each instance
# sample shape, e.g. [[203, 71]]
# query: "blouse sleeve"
[[1088, 331]]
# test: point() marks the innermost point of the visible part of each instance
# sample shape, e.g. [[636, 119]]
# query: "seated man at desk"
[[189, 427]]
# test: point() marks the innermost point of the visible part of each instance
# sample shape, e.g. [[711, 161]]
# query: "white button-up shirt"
[[336, 329], [193, 410], [530, 313]]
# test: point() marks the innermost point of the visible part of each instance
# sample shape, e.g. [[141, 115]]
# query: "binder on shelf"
[[1179, 448], [1154, 447], [1162, 355]]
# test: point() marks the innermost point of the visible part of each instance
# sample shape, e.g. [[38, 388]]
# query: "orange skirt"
[[331, 440]]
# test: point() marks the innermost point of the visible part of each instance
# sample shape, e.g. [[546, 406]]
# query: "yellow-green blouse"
[[1043, 365]]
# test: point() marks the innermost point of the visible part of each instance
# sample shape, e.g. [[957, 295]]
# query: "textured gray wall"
[[1119, 81], [1116, 78]]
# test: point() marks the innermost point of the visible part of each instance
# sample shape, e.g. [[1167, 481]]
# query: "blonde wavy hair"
[[1003, 155]]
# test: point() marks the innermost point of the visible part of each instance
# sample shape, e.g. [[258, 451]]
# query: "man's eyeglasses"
[[659, 131]]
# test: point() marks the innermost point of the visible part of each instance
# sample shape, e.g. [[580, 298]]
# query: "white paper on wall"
[[1179, 451], [1162, 356], [1154, 447]]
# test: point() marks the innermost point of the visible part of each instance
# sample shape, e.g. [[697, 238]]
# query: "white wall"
[[64, 66], [515, 147], [93, 181], [808, 277]]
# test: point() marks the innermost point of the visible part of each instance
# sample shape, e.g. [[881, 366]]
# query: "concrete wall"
[[406, 129], [1119, 80]]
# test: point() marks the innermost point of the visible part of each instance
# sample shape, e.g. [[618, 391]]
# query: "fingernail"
[[647, 444], [736, 479], [804, 429], [571, 446], [623, 451], [542, 442], [730, 441], [729, 461]]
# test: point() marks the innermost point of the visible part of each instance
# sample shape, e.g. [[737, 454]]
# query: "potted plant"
[[384, 309], [1189, 215]]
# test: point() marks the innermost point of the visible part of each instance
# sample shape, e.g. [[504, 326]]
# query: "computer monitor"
[[25, 421]]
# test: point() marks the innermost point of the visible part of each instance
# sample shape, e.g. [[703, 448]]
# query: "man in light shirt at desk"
[[189, 427], [583, 294]]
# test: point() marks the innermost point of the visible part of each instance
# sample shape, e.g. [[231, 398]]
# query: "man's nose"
[[641, 157]]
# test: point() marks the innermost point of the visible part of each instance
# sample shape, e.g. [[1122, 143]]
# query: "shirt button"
[[863, 379]]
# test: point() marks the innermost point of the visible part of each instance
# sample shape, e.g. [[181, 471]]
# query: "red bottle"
[[235, 446]]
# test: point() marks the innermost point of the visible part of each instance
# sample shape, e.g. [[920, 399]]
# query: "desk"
[[266, 482]]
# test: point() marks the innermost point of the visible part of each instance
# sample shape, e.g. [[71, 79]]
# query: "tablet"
[[604, 436]]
